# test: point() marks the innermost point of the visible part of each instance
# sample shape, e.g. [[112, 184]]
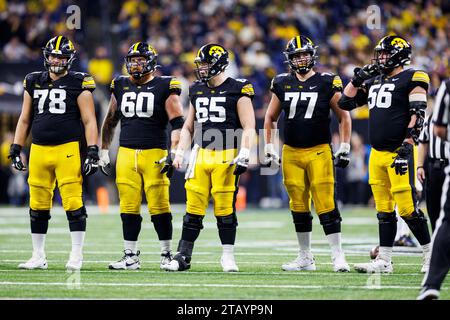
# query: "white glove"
[[271, 157], [241, 161], [342, 155], [104, 162]]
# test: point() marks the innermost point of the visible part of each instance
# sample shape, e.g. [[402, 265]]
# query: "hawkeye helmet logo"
[[399, 42], [216, 50]]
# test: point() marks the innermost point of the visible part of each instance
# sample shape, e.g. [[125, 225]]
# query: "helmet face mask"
[[58, 64], [301, 54], [140, 60], [211, 60], [59, 53], [392, 52], [300, 61]]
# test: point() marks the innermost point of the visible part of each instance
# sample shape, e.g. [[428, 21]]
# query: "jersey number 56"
[[380, 95]]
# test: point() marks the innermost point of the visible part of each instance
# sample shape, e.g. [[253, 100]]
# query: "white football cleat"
[[339, 263], [178, 263], [304, 261], [228, 263], [75, 262], [129, 261], [426, 262], [428, 294], [166, 257], [377, 265], [35, 262], [173, 265]]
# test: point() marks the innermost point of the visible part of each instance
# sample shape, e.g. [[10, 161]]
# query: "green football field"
[[265, 240]]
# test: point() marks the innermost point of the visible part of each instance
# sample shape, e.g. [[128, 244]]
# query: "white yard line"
[[285, 273], [207, 285], [198, 262]]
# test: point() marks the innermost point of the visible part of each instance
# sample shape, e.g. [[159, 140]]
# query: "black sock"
[[227, 228], [387, 228], [163, 225], [417, 223], [131, 226]]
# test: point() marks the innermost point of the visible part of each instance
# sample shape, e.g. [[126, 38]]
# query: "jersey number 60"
[[133, 104]]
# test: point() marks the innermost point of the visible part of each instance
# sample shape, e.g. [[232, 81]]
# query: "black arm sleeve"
[[347, 103]]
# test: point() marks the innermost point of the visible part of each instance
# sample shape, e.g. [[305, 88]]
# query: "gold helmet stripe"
[[58, 42], [135, 46], [299, 41]]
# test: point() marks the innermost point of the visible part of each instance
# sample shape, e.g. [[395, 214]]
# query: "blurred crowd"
[[254, 31]]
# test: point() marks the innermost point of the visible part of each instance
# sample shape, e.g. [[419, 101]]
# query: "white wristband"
[[244, 153], [269, 148], [345, 147]]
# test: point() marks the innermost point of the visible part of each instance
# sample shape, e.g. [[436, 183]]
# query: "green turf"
[[265, 240]]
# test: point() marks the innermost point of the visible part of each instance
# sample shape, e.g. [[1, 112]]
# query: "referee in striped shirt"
[[432, 160], [440, 252]]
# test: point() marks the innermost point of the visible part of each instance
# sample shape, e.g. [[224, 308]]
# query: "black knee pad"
[[192, 221], [227, 222], [416, 215], [77, 219], [130, 218], [386, 217], [331, 221], [39, 215], [161, 217], [302, 221], [185, 248], [39, 221]]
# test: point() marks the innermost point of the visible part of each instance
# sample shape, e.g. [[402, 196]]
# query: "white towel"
[[192, 160]]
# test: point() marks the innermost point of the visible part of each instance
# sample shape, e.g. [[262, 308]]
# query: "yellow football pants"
[[213, 176], [388, 188], [135, 168], [48, 164], [306, 172]]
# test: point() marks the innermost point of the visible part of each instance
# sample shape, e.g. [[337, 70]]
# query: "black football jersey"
[[388, 101], [216, 111], [56, 114], [306, 106], [142, 111]]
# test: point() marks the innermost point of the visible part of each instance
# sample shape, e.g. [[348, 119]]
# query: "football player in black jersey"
[[144, 104], [397, 99], [55, 103], [306, 97], [221, 107]]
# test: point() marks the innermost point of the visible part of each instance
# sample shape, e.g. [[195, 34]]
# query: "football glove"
[[342, 155], [401, 160], [241, 161], [168, 161], [14, 155], [104, 162], [364, 73], [271, 157], [90, 165]]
